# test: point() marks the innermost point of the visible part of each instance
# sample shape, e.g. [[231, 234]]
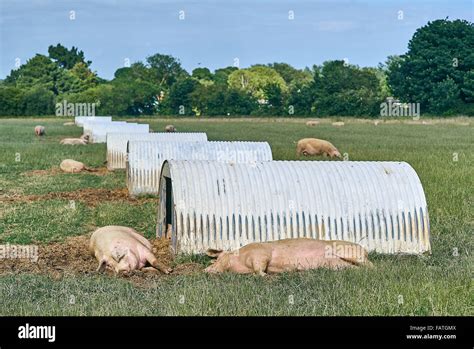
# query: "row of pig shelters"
[[145, 159], [117, 143], [98, 130], [226, 205], [224, 195], [79, 120]]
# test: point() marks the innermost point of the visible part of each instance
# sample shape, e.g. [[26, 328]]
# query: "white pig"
[[123, 249], [289, 255]]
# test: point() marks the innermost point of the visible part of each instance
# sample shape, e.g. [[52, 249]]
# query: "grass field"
[[440, 284]]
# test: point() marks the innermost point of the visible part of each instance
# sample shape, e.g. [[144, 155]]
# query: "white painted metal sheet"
[[117, 143], [380, 205], [145, 158]]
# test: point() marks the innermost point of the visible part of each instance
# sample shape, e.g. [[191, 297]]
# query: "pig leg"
[[149, 270], [260, 265], [102, 266], [156, 264]]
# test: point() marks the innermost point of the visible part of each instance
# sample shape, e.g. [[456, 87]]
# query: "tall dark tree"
[[11, 101], [209, 100], [137, 71], [165, 70], [343, 89], [238, 102], [37, 71], [439, 64], [291, 75], [67, 58], [221, 75], [179, 99], [202, 74]]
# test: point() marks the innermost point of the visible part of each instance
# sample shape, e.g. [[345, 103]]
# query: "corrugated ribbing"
[[117, 143], [380, 205], [145, 158]]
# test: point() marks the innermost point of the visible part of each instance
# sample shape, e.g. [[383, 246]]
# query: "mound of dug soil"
[[72, 257]]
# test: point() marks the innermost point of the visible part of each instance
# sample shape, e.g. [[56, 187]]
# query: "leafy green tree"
[[291, 75], [254, 80], [135, 98], [274, 104], [86, 77], [179, 99], [221, 75], [300, 100], [238, 102], [136, 90], [467, 88], [65, 58], [445, 96], [137, 71], [165, 70], [103, 96], [41, 71], [202, 74], [439, 55], [343, 89], [77, 79], [38, 101], [11, 101], [209, 100], [37, 71]]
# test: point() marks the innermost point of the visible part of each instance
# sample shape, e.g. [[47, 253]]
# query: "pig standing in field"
[[123, 249], [289, 255], [170, 128], [39, 130], [314, 146], [83, 140]]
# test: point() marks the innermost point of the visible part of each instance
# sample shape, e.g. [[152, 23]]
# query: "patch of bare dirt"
[[72, 257], [69, 257], [89, 196]]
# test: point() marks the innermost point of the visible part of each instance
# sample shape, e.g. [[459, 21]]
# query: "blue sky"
[[214, 33]]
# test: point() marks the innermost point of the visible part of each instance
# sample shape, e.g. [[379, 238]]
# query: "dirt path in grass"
[[89, 196], [72, 257]]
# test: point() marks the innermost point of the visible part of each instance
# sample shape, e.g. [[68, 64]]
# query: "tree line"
[[437, 72]]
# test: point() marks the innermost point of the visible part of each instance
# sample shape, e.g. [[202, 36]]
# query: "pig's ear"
[[213, 253]]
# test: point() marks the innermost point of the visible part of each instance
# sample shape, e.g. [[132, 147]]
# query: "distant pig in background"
[[123, 249], [289, 255], [170, 128], [314, 146], [40, 130]]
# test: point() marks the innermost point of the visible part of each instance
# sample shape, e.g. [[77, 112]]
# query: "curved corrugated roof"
[[380, 205], [145, 158], [117, 143]]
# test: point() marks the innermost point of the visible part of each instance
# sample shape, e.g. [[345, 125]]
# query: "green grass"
[[398, 285]]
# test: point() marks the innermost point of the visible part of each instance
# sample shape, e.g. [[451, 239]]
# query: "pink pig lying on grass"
[[289, 255]]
